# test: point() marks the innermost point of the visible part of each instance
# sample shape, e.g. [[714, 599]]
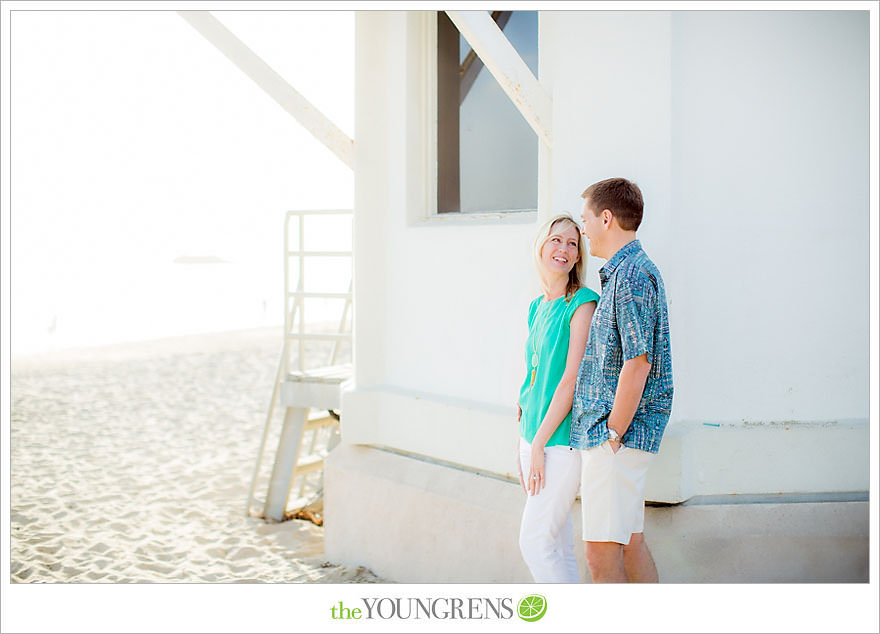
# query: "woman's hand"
[[536, 470]]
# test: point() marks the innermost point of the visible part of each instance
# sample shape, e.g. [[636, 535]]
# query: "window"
[[487, 155]]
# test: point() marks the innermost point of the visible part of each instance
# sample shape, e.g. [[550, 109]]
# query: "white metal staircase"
[[311, 393]]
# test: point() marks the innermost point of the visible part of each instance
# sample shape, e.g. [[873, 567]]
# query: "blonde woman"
[[549, 469]]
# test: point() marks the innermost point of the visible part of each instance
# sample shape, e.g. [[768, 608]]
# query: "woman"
[[559, 322]]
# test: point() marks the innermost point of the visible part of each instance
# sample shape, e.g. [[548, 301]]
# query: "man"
[[623, 393]]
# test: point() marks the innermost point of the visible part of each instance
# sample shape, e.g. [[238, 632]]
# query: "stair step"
[[327, 374], [307, 465], [319, 423]]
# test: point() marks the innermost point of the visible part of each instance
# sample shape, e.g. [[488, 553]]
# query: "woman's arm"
[[518, 463], [560, 404]]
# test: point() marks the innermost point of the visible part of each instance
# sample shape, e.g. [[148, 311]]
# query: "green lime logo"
[[532, 607]]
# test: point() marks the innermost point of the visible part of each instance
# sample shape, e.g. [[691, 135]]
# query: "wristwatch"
[[613, 435]]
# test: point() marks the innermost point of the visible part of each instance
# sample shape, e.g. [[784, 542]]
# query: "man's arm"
[[636, 311], [630, 387]]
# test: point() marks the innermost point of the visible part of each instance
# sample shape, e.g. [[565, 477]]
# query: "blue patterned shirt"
[[630, 320]]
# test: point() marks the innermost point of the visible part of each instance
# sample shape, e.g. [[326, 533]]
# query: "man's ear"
[[607, 217]]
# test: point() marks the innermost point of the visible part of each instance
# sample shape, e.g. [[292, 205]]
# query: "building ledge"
[[695, 458]]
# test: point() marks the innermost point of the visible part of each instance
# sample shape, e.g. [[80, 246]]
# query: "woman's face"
[[560, 252]]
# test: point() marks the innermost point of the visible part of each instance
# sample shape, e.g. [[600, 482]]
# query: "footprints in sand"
[[134, 468]]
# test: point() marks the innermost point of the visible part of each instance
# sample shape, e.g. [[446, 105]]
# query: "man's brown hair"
[[621, 196]]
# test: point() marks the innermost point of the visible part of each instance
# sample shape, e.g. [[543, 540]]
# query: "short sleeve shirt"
[[547, 345], [631, 319]]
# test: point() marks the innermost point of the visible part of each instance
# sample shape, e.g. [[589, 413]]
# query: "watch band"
[[613, 435]]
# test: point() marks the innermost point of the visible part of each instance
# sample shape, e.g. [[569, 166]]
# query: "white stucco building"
[[747, 132]]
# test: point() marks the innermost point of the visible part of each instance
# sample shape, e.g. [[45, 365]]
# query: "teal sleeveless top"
[[549, 333]]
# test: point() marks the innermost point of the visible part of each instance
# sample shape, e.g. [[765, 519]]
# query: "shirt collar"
[[624, 252]]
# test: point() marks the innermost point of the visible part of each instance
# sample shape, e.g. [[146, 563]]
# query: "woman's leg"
[[565, 545], [546, 539]]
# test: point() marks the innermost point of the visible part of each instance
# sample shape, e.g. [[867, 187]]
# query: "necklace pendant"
[[535, 360], [533, 378]]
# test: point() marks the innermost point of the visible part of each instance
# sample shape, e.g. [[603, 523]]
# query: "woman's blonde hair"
[[578, 271]]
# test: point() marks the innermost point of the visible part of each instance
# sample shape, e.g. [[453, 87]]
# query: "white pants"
[[546, 538]]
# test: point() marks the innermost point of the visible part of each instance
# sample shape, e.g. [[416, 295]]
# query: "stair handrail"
[[290, 317]]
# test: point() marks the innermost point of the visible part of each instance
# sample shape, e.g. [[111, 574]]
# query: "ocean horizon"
[[152, 302]]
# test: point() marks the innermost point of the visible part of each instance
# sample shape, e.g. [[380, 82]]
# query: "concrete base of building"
[[412, 520]]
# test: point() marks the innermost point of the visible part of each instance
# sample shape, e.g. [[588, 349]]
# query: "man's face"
[[592, 228]]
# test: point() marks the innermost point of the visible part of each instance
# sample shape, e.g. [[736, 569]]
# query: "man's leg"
[[638, 562], [613, 503], [605, 560], [600, 509]]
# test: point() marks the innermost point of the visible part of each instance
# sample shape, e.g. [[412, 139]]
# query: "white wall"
[[770, 197], [748, 135], [441, 307], [609, 77], [747, 132]]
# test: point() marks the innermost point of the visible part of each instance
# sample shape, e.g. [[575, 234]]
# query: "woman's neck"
[[555, 288]]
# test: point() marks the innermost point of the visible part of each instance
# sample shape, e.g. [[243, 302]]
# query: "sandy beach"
[[132, 462]]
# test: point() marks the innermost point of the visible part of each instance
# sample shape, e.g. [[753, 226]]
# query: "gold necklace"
[[535, 342]]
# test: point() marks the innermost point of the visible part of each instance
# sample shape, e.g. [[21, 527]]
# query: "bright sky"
[[135, 141]]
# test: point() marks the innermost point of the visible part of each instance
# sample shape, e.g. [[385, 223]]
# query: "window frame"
[[429, 95]]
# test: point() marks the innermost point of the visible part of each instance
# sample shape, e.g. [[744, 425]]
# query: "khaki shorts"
[[613, 492]]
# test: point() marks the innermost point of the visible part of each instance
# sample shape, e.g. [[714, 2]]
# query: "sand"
[[131, 463]]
